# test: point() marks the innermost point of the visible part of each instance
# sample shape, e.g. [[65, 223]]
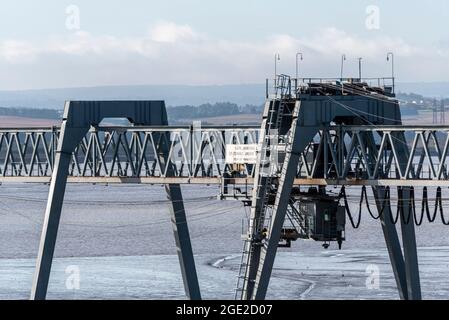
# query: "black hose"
[[400, 210], [362, 197], [343, 195], [384, 202], [440, 200], [395, 220], [438, 203], [426, 204], [419, 221], [364, 194]]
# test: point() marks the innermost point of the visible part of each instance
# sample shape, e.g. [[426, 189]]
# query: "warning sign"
[[241, 153]]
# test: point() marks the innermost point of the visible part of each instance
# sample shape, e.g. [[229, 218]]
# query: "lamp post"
[[360, 69], [390, 55], [298, 55], [343, 59], [277, 58]]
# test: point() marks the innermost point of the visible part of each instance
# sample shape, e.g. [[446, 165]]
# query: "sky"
[[58, 44]]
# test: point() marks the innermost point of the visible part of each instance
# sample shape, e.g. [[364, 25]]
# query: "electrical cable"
[[103, 202], [376, 96], [343, 195], [394, 220], [357, 113], [401, 207], [443, 220], [430, 218], [368, 206], [400, 211], [419, 221], [198, 216]]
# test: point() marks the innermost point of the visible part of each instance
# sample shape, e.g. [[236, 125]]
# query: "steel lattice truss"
[[377, 155], [337, 155], [125, 152]]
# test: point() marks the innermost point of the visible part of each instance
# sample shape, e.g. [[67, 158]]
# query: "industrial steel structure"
[[314, 133]]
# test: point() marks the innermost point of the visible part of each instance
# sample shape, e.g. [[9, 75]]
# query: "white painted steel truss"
[[337, 155]]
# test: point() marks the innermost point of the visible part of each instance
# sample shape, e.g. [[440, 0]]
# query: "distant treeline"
[[208, 110], [417, 97], [419, 102], [31, 113]]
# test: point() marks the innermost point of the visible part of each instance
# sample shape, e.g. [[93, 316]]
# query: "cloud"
[[13, 51], [178, 54], [330, 41], [172, 32]]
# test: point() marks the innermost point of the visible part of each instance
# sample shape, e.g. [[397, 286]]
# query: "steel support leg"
[[182, 239], [253, 245], [269, 250], [391, 241], [404, 262], [68, 140], [252, 248], [409, 246], [179, 223], [50, 227], [408, 227]]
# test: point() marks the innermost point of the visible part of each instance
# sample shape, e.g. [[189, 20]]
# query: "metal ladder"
[[296, 219], [265, 183]]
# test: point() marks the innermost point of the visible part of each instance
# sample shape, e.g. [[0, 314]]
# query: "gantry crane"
[[314, 133]]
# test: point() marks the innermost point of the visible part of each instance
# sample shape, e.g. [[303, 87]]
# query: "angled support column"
[[408, 227], [252, 247], [389, 229], [268, 251], [69, 138], [409, 248], [179, 224], [182, 240], [404, 262], [392, 242]]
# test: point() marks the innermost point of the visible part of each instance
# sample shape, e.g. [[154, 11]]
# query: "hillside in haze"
[[174, 95], [427, 89]]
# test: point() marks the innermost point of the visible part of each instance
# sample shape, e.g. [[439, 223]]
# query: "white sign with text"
[[241, 153]]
